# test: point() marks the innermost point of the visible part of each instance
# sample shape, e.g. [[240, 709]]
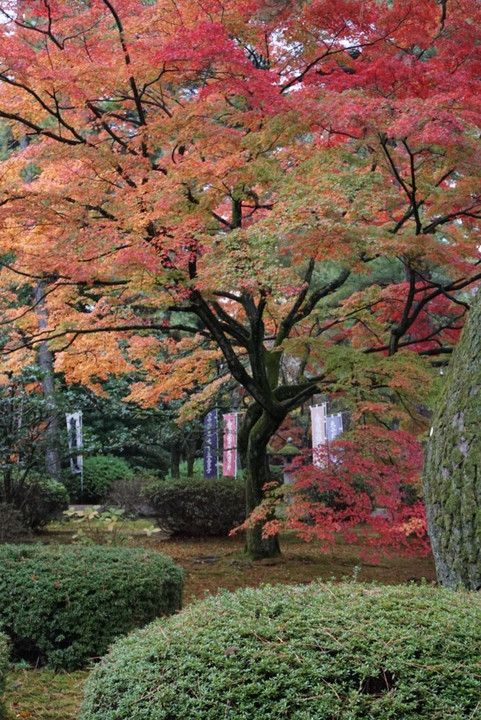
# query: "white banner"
[[319, 433], [74, 429]]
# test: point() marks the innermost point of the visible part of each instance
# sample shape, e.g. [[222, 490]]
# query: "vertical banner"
[[229, 459], [333, 426], [74, 429], [319, 434], [210, 444]]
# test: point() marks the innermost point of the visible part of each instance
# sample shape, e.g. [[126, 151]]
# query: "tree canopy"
[[284, 193]]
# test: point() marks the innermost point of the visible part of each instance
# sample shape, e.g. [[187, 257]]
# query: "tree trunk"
[[175, 459], [46, 363], [452, 476], [190, 453], [255, 433]]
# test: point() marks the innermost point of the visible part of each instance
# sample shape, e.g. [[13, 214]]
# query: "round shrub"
[[197, 507], [43, 502], [321, 652], [4, 662], [65, 605], [100, 474], [31, 503]]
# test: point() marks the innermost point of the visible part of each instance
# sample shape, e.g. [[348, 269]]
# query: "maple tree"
[[285, 193]]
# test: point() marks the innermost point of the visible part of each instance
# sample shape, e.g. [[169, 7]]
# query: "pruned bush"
[[343, 652], [34, 499], [100, 473], [4, 661], [44, 500], [63, 606], [196, 506]]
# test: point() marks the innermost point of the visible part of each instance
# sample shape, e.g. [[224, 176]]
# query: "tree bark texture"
[[452, 476], [46, 364]]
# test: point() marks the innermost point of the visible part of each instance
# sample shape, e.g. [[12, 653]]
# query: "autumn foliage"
[[283, 196], [364, 488]]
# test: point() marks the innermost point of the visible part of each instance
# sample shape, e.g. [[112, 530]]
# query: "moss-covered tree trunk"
[[452, 477]]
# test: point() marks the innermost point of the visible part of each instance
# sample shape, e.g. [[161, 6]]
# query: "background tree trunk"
[[175, 456], [46, 364], [452, 477], [190, 455]]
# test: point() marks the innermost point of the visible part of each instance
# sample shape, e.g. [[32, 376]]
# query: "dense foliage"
[[196, 506], [12, 527], [28, 496], [112, 426], [4, 663], [65, 605], [348, 652], [43, 500], [366, 488], [100, 473], [35, 500]]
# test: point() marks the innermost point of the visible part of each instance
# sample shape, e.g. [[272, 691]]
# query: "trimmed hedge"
[[197, 507], [4, 663], [64, 605], [321, 652]]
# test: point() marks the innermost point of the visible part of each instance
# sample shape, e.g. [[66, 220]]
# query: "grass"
[[214, 564], [43, 694], [209, 564]]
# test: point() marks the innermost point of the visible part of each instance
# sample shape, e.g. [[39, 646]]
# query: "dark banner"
[[210, 444]]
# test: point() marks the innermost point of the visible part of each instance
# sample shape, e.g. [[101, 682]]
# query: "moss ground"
[[210, 564]]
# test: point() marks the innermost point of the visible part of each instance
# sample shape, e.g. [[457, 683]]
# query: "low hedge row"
[[321, 652], [64, 605], [197, 507], [4, 661]]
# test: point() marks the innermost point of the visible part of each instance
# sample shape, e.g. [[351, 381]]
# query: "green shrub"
[[45, 500], [12, 527], [100, 474], [65, 605], [34, 499], [4, 658], [321, 652], [196, 506]]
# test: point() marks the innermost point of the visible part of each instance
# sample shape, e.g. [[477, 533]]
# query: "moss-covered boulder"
[[320, 652]]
